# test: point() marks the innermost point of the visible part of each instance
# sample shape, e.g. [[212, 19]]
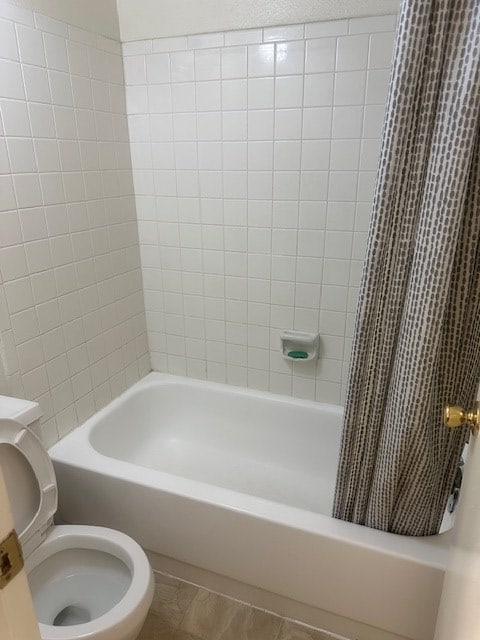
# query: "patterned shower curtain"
[[417, 338]]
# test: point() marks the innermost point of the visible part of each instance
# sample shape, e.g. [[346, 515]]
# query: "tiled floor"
[[183, 611]]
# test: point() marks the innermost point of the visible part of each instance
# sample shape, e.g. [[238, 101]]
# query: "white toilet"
[[88, 583]]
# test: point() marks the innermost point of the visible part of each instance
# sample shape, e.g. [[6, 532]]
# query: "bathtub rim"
[[76, 450]]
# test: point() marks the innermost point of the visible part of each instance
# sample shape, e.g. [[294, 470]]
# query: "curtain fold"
[[417, 336]]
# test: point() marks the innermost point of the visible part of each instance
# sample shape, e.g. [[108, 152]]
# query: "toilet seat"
[[48, 550], [41, 489]]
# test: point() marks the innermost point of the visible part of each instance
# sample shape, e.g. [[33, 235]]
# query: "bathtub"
[[240, 483]]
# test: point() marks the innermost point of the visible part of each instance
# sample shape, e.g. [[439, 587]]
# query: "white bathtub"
[[241, 483]]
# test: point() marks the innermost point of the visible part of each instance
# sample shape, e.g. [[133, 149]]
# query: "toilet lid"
[[30, 481]]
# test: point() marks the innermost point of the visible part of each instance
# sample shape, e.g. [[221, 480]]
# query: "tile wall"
[[72, 322], [254, 155]]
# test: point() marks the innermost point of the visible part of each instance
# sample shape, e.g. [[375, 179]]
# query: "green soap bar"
[[301, 355]]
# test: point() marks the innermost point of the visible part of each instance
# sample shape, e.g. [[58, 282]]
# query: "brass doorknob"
[[456, 416]]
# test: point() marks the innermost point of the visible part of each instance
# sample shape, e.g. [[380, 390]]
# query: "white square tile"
[[373, 120], [317, 123], [135, 70], [261, 60], [209, 125], [210, 155], [211, 184], [290, 57], [8, 41], [309, 270], [345, 155], [158, 67], [369, 155], [352, 52], [338, 244], [288, 124], [159, 98], [234, 62], [315, 155], [287, 155], [15, 118], [320, 55], [137, 100], [7, 194], [33, 224], [341, 216], [259, 213], [207, 64], [78, 58], [347, 122], [260, 185], [234, 94], [260, 156], [260, 93], [259, 241], [41, 119], [183, 97], [318, 89], [13, 263], [234, 156], [313, 185], [208, 95], [82, 92], [377, 86], [381, 50], [342, 186], [310, 243], [350, 88], [27, 190], [234, 184], [286, 185], [186, 155], [285, 215], [55, 52], [22, 156], [288, 92], [10, 229], [260, 125], [234, 125], [312, 215], [12, 81], [366, 185], [182, 66], [30, 44], [61, 88]]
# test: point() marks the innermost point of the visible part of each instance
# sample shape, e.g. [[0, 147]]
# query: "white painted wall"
[[142, 19], [99, 16]]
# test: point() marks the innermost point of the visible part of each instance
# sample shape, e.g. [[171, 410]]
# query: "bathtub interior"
[[257, 444]]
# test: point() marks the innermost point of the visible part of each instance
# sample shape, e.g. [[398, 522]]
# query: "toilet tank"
[[23, 411]]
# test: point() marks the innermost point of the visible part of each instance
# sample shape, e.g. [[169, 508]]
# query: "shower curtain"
[[417, 337]]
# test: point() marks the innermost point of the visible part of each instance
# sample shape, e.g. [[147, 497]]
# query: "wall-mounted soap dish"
[[299, 345]]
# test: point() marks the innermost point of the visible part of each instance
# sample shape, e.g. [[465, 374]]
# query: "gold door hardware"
[[11, 558], [456, 416]]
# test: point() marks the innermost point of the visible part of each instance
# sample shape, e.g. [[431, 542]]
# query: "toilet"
[[88, 583]]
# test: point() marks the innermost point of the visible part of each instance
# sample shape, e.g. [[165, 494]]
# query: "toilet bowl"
[[87, 582]]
